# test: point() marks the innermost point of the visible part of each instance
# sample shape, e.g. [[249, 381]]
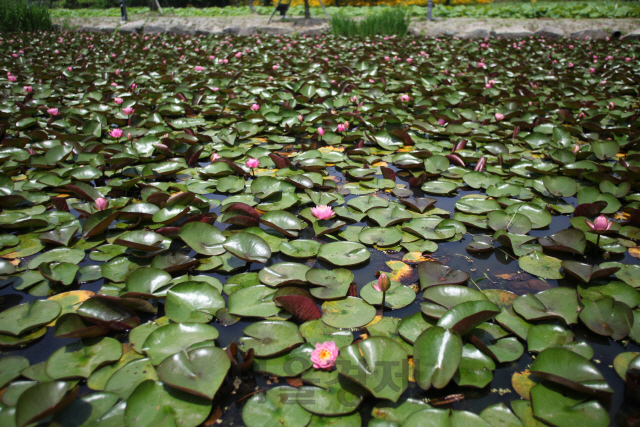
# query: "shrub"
[[16, 15], [387, 22]]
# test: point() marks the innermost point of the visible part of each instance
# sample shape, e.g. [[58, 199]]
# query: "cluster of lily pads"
[[160, 191]]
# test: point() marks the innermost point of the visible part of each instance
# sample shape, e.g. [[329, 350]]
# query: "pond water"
[[517, 147]]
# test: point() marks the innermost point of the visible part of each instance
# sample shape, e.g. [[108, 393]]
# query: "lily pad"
[[349, 312], [371, 361], [270, 337], [344, 254]]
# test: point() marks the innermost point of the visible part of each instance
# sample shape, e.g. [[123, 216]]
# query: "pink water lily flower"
[[12, 78], [320, 131], [340, 128], [404, 98], [441, 122], [116, 133], [300, 118], [128, 110], [118, 100], [53, 111], [255, 107], [499, 116], [198, 68], [600, 225], [323, 212], [384, 283], [101, 203], [325, 354], [252, 163], [27, 89], [215, 156]]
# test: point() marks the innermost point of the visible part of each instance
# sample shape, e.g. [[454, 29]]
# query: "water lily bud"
[[384, 283]]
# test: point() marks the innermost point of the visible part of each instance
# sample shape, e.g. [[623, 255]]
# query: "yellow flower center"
[[325, 354]]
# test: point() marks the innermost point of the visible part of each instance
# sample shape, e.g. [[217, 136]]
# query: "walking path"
[[461, 27]]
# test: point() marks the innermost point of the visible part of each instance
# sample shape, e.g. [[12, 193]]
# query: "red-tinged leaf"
[[209, 218], [301, 307], [481, 164], [60, 204], [243, 207], [590, 210], [98, 222], [461, 145], [353, 290], [635, 216], [163, 149], [170, 232], [566, 115], [281, 162], [453, 158], [192, 155], [159, 199], [404, 136], [359, 144], [80, 193], [388, 173], [417, 181], [243, 221], [247, 358]]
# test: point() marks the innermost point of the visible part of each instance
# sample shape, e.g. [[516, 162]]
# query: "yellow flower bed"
[[316, 3]]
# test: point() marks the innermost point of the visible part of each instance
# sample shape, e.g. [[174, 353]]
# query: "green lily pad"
[[475, 369], [436, 274], [380, 236], [248, 247], [464, 317], [155, 404], [25, 317], [331, 284], [344, 254], [553, 403], [397, 296], [349, 312], [514, 223], [270, 337], [199, 371], [203, 238], [193, 302], [570, 240], [608, 317], [300, 248], [556, 303], [370, 362], [437, 353], [442, 417], [80, 359], [253, 301], [43, 399], [284, 274], [174, 337], [541, 265], [277, 407], [570, 369], [331, 394], [10, 368]]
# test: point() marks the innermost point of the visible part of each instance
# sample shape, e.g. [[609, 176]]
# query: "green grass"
[[549, 9], [15, 15], [386, 22]]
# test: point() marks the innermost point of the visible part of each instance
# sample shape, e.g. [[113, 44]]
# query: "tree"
[[307, 12]]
